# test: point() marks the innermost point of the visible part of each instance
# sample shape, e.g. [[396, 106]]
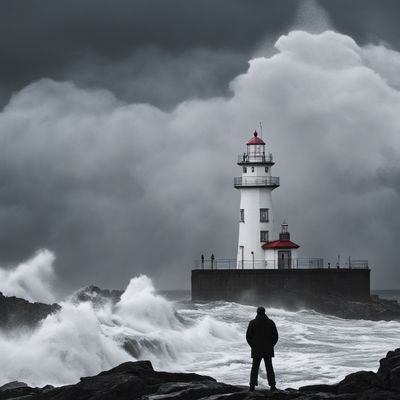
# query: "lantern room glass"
[[255, 152]]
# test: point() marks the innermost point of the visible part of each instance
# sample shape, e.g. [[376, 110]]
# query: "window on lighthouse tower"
[[241, 215], [263, 236], [264, 215]]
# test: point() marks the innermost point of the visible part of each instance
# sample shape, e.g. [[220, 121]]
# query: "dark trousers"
[[268, 366]]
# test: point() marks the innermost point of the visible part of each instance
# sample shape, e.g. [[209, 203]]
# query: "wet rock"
[[389, 370], [378, 394], [191, 391], [373, 308], [20, 393], [319, 388], [358, 382], [98, 297], [139, 381], [13, 385], [395, 379], [20, 313]]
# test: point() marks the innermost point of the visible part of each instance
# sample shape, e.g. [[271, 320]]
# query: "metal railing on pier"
[[255, 181], [295, 263]]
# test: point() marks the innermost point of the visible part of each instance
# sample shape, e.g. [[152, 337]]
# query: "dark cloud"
[[157, 77], [47, 39], [116, 188], [366, 21], [96, 42]]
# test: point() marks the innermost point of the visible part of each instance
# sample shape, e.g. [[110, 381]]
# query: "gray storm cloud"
[[116, 189]]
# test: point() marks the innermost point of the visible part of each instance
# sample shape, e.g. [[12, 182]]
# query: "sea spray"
[[31, 279], [83, 339], [86, 337], [142, 310], [66, 346]]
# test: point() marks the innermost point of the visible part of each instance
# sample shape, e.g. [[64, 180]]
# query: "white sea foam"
[[82, 340], [31, 279]]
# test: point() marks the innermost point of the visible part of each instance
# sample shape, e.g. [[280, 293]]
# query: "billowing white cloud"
[[121, 188]]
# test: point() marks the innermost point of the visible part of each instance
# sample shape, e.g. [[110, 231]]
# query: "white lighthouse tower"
[[256, 215]]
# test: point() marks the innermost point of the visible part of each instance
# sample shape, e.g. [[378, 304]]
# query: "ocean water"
[[178, 335], [387, 294]]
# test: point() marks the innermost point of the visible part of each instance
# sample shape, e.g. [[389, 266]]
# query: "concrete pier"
[[278, 285]]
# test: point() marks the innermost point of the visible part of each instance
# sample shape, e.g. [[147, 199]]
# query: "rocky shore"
[[373, 309], [20, 313], [138, 380]]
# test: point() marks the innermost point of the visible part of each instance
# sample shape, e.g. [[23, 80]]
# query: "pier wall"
[[279, 285]]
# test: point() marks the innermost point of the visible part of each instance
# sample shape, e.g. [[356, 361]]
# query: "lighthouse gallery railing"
[[295, 263], [255, 158], [255, 181]]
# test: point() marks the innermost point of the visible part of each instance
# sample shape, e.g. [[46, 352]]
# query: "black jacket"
[[262, 336]]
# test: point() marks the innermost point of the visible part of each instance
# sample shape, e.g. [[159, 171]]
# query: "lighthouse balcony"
[[293, 263], [256, 182], [255, 158]]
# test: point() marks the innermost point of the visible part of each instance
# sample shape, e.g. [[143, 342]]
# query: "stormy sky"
[[121, 120]]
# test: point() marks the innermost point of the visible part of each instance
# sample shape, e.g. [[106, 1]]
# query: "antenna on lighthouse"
[[261, 132]]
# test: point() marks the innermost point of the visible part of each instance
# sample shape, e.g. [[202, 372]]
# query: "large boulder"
[[358, 382], [389, 370]]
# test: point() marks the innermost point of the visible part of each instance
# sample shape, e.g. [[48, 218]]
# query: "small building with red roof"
[[281, 253]]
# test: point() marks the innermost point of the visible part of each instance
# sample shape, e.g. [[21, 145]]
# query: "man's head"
[[261, 310]]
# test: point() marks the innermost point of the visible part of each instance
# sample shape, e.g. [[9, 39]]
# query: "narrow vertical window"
[[252, 169], [241, 215], [264, 217], [263, 236], [244, 170], [266, 169]]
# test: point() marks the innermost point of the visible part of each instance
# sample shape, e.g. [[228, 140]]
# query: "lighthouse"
[[268, 268], [256, 214]]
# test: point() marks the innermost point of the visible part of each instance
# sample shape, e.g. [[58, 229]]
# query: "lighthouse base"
[[287, 288]]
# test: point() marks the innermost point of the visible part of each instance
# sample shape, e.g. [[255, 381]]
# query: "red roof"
[[255, 139], [280, 244]]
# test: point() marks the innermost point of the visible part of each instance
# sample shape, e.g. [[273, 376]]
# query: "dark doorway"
[[284, 259]]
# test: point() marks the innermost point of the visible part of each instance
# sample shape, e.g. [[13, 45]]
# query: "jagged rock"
[[17, 313], [139, 381], [378, 394], [389, 370], [358, 382], [20, 393], [12, 385], [97, 296], [189, 391], [374, 308], [319, 388]]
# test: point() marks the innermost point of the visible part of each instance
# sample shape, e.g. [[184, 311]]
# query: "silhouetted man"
[[262, 336]]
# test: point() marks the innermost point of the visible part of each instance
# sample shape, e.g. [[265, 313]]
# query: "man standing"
[[262, 336]]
